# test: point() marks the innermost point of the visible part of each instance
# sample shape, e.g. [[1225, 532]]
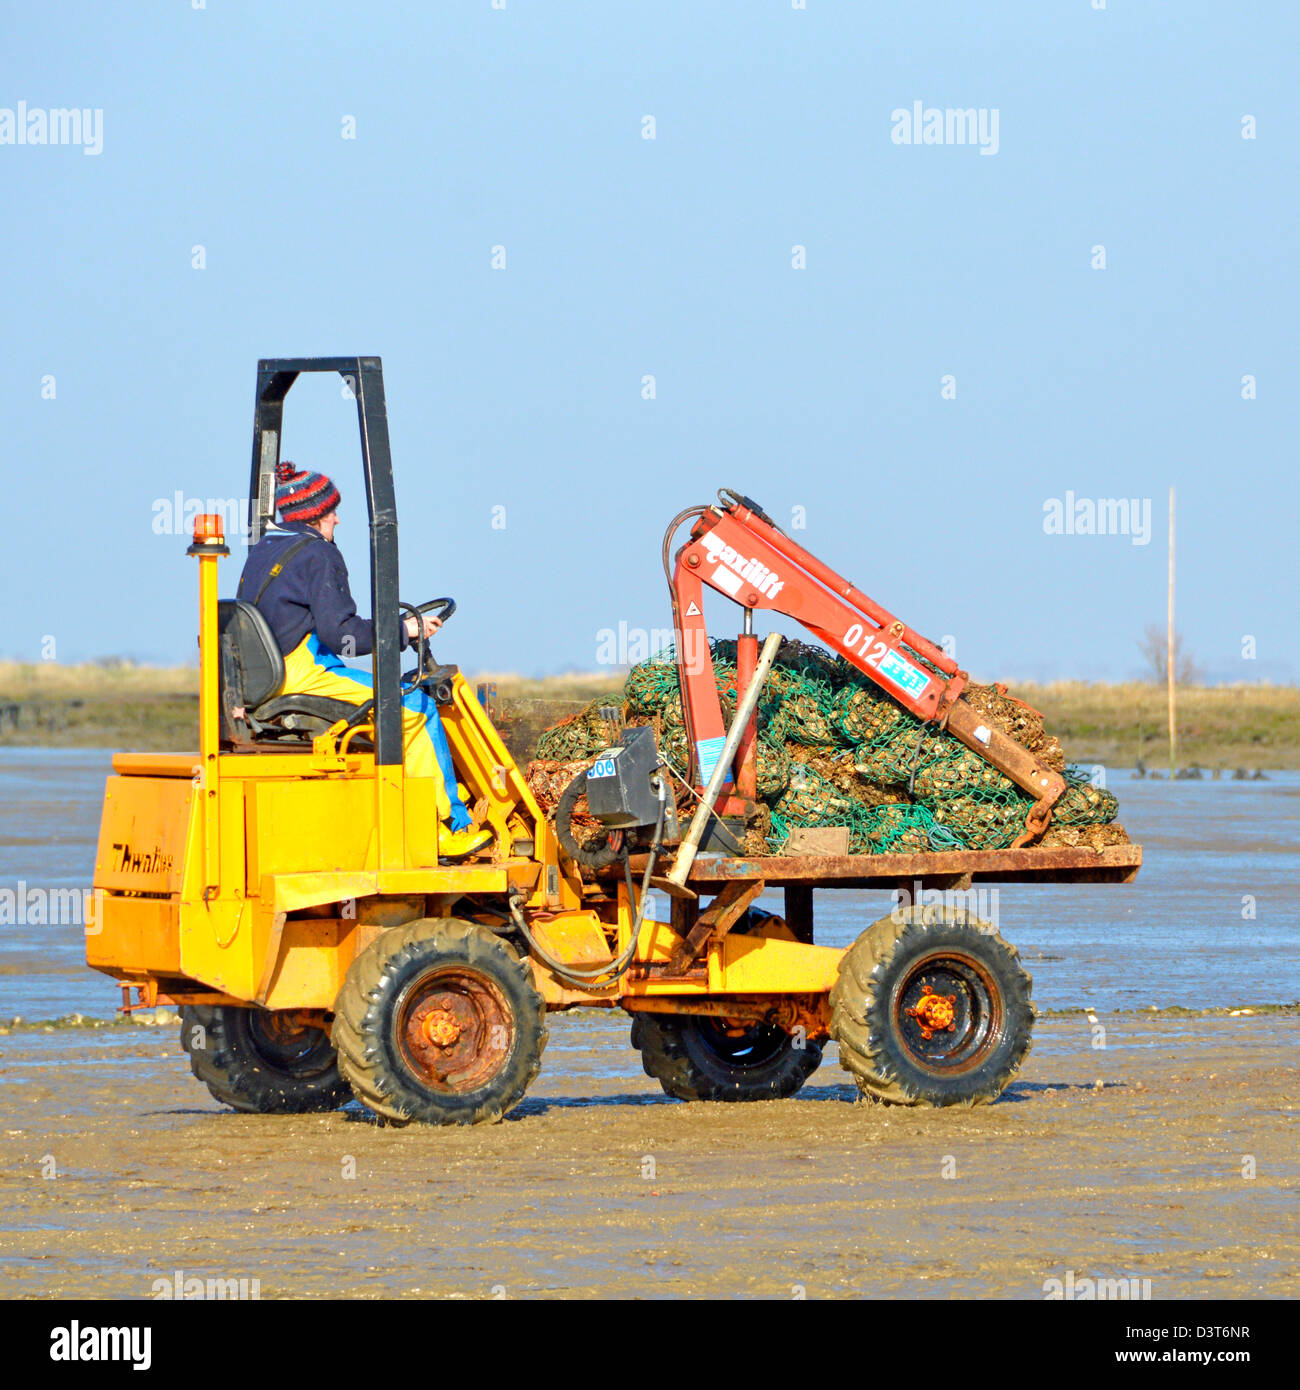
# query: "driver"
[[297, 578]]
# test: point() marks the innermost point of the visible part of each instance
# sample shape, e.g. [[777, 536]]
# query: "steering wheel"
[[448, 606], [424, 666]]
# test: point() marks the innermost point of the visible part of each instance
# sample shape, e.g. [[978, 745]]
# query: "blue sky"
[[818, 388]]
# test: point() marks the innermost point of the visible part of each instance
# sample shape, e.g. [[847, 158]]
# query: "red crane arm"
[[736, 549]]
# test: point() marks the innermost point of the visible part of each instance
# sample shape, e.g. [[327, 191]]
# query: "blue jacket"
[[311, 593]]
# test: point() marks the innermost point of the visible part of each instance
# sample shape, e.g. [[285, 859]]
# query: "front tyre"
[[931, 1008], [440, 1021], [262, 1062]]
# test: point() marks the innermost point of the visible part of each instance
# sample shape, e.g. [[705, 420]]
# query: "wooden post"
[[1170, 674]]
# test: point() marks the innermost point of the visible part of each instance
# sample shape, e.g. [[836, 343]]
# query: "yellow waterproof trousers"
[[312, 669]]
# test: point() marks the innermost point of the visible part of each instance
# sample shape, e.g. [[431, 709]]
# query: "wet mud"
[[1182, 1166]]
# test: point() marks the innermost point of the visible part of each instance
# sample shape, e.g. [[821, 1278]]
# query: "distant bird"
[[1140, 769]]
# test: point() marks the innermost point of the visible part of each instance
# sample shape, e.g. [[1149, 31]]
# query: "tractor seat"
[[252, 674]]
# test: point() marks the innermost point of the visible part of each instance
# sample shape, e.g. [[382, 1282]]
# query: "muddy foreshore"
[[117, 1171]]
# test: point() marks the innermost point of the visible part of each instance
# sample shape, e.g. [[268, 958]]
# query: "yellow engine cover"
[[144, 837]]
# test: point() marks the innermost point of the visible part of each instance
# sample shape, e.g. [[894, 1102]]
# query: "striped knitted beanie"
[[303, 496]]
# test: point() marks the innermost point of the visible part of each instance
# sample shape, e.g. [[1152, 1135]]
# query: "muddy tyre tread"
[[859, 1007], [236, 1076], [661, 1039], [664, 1045], [359, 1023]]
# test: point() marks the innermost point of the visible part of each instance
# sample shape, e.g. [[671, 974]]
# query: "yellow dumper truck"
[[282, 886]]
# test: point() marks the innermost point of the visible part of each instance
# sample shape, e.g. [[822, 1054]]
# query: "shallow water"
[[1177, 936]]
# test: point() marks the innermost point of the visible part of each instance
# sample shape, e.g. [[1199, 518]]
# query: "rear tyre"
[[262, 1062], [440, 1021], [695, 1057], [932, 1008]]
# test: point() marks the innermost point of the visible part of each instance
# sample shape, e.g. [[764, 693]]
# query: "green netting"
[[931, 763], [798, 715], [897, 829], [811, 799], [670, 738], [581, 735], [674, 746], [861, 713], [835, 750], [980, 821], [652, 686], [773, 770], [1084, 804], [965, 796], [903, 828]]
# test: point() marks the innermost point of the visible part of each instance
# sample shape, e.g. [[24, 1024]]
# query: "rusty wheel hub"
[[283, 1028], [453, 1029], [934, 1013], [948, 1012], [440, 1027]]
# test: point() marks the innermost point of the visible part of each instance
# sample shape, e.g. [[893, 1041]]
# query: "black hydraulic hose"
[[600, 858], [668, 540], [608, 975]]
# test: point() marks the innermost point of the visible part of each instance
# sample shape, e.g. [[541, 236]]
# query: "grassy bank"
[[1227, 726], [146, 708], [154, 709]]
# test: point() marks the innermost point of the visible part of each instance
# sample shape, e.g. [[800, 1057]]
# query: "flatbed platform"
[[940, 869]]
